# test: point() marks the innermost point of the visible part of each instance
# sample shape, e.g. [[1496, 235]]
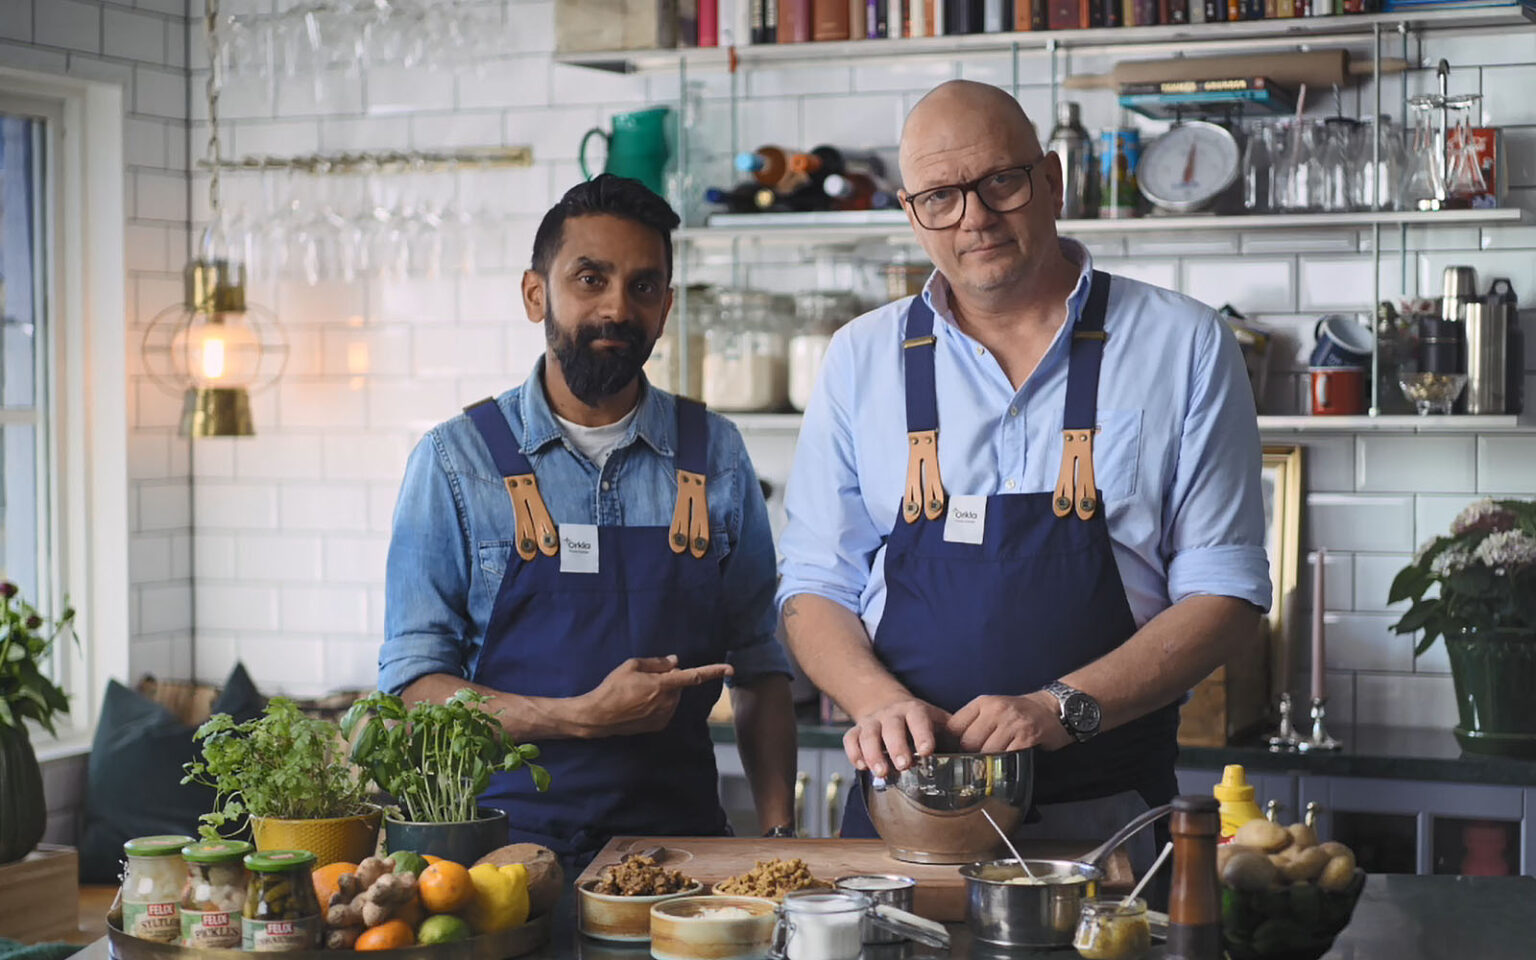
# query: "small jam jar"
[[1110, 929]]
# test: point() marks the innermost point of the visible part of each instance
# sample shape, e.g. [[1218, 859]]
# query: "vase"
[[463, 842], [332, 839], [23, 811], [1494, 678]]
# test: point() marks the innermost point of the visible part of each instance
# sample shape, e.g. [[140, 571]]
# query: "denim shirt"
[[454, 529]]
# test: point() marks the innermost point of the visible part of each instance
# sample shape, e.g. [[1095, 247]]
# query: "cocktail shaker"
[[1069, 141]]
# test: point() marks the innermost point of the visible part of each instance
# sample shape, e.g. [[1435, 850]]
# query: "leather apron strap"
[[536, 531], [925, 489], [1076, 488], [690, 518]]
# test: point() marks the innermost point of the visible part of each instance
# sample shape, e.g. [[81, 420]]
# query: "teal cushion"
[[134, 786], [16, 950]]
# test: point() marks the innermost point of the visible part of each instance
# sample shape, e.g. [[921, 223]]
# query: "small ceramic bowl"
[[626, 919], [713, 928]]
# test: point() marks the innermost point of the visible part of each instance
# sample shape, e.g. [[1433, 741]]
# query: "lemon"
[[501, 899], [443, 928]]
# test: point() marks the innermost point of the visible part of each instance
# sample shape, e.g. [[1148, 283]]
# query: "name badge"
[[578, 548], [967, 519]]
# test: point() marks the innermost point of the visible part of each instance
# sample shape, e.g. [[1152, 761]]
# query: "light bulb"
[[213, 358]]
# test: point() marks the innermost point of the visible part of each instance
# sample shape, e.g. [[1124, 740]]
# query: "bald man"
[[1025, 509]]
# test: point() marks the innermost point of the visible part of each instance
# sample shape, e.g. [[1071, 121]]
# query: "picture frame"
[[1281, 479]]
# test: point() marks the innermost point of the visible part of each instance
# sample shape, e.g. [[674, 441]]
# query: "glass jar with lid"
[[745, 360], [281, 911], [213, 896], [1111, 929], [818, 314], [693, 314], [152, 879]]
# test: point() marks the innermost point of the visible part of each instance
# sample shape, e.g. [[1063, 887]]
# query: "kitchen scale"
[[1192, 168]]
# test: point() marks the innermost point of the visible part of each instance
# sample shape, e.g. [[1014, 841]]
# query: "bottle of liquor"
[[852, 191], [1069, 141], [739, 199], [767, 165], [825, 160]]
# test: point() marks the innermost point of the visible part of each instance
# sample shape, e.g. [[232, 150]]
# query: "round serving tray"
[[489, 946]]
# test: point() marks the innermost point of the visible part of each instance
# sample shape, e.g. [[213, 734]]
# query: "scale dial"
[[1189, 166]]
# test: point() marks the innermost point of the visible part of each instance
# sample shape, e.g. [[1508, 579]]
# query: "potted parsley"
[[289, 774], [25, 694], [435, 759]]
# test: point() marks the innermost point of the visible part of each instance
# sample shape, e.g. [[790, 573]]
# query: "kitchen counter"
[[1395, 753], [1398, 918]]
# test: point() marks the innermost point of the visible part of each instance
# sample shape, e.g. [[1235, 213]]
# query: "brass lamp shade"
[[217, 412]]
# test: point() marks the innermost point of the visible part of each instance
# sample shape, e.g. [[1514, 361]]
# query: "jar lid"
[[215, 851], [274, 861], [167, 845]]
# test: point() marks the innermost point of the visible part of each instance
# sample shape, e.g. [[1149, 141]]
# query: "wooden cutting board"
[[940, 888]]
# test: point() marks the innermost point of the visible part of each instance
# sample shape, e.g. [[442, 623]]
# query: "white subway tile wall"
[[292, 526]]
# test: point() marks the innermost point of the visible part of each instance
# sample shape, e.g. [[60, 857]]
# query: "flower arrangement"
[[1485, 572]]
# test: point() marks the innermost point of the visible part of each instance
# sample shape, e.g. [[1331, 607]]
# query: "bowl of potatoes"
[[1284, 895]]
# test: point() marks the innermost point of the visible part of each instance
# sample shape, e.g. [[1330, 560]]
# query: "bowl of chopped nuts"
[[617, 905], [771, 880]]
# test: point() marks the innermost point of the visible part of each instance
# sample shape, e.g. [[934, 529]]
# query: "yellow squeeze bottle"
[[1236, 796]]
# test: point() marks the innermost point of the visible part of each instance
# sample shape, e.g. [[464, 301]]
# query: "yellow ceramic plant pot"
[[332, 840]]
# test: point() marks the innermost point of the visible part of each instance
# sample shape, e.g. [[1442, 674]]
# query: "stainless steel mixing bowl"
[[932, 811]]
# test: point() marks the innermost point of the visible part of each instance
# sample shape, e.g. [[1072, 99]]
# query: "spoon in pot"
[[1011, 848], [1141, 885]]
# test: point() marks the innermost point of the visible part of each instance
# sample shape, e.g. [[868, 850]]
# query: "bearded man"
[[593, 554]]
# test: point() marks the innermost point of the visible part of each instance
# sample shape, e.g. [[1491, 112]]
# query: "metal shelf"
[[1246, 34], [891, 225], [1386, 423]]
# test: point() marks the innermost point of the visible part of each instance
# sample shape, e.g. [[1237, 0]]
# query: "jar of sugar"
[[821, 925]]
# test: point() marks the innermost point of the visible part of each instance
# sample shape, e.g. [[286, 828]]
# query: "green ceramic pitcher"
[[637, 147]]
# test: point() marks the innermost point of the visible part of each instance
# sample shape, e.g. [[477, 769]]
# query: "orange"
[[431, 859], [444, 887], [328, 877], [391, 935]]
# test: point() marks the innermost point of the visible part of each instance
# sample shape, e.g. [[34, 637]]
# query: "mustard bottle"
[[1236, 797]]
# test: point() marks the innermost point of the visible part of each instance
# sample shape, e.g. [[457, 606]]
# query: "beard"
[[594, 375]]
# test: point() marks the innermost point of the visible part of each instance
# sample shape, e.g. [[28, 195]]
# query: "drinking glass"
[[1257, 169]]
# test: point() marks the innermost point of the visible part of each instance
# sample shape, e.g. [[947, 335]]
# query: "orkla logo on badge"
[[160, 909], [966, 515], [582, 545]]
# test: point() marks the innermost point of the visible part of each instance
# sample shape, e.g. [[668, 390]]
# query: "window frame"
[[87, 392]]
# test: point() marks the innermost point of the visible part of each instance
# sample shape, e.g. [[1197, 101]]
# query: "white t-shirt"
[[596, 443]]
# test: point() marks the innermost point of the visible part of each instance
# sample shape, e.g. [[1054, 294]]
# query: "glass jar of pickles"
[[1111, 929], [152, 880], [214, 893], [281, 910]]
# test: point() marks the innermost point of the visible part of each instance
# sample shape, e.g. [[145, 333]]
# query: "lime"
[[443, 928], [407, 861]]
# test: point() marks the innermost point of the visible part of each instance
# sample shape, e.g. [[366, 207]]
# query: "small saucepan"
[[1007, 908]]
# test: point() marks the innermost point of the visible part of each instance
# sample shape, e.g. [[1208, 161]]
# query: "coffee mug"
[[1337, 391], [1341, 342]]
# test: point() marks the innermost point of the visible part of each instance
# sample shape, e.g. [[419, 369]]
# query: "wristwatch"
[[783, 831], [1080, 713]]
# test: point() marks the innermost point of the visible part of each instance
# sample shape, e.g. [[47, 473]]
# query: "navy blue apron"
[[1040, 597], [554, 634]]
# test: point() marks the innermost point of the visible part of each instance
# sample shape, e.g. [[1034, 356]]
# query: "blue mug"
[[1341, 342]]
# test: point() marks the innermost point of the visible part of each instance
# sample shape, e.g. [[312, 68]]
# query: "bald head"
[[962, 116]]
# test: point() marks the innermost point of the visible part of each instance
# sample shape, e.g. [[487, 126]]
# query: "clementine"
[[444, 887], [391, 935]]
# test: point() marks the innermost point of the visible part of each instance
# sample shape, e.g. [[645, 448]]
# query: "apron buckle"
[[690, 518], [1076, 483], [923, 476], [534, 524]]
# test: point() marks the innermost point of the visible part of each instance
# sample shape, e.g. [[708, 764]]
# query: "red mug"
[[1337, 391]]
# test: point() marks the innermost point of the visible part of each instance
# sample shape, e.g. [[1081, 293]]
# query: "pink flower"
[[1485, 515]]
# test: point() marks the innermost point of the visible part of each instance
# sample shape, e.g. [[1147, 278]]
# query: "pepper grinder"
[[1194, 902]]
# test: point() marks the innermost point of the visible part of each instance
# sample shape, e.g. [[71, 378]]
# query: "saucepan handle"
[[1097, 855], [909, 925]]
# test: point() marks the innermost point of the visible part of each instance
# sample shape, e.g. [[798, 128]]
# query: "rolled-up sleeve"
[[1214, 510], [426, 591], [748, 579], [829, 540]]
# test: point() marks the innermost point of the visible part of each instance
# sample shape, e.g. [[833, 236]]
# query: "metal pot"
[[1042, 913], [934, 811]]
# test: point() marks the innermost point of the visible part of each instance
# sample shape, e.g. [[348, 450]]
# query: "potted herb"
[[289, 774], [435, 759], [25, 694], [1485, 608]]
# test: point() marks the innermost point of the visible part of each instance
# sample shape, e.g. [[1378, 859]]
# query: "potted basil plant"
[[435, 759], [288, 773], [25, 694], [1477, 589]]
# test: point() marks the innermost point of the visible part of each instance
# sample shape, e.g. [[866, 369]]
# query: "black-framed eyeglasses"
[[1001, 191]]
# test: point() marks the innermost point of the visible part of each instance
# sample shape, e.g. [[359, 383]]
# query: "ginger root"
[[389, 892], [371, 869], [342, 938]]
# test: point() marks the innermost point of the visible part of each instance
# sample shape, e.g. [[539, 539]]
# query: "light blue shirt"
[[454, 529], [1177, 456]]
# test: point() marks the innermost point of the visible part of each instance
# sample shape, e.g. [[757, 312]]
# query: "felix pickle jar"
[[213, 897], [152, 880], [281, 910]]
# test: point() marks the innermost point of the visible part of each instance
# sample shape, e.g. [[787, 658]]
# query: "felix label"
[[213, 928], [273, 935], [152, 921]]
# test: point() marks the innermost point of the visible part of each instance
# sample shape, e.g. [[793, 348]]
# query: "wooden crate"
[[1227, 705], [40, 894]]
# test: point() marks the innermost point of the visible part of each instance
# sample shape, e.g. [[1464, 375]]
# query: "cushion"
[[134, 786]]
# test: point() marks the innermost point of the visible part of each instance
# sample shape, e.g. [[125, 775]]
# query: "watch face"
[[1082, 713]]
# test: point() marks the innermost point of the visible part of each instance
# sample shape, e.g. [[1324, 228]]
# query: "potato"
[[545, 877], [1302, 836], [1227, 851], [1269, 837], [1334, 848], [1305, 865], [1338, 873], [1249, 871]]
